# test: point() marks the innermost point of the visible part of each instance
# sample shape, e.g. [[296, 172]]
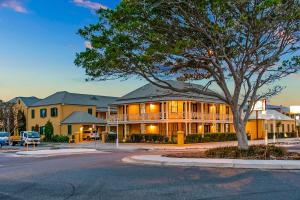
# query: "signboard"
[[295, 109], [260, 105]]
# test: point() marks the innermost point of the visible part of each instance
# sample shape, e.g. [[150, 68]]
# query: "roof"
[[68, 98], [151, 92], [82, 118], [278, 108], [28, 101], [270, 115]]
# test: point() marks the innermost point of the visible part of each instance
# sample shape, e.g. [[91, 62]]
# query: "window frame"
[[54, 112], [41, 111]]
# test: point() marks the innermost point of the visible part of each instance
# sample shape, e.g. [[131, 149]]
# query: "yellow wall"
[[63, 112], [152, 129]]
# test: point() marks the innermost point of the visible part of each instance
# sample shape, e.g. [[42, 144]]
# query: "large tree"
[[241, 47]]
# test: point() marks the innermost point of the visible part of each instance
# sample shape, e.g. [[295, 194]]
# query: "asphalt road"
[[104, 176]]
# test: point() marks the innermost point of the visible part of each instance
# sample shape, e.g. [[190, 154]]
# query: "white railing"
[[171, 116]]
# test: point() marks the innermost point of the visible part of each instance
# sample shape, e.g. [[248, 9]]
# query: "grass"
[[255, 152]]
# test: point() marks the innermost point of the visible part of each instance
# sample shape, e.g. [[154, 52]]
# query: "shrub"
[[193, 138], [48, 131], [282, 135], [254, 152], [151, 138], [60, 139]]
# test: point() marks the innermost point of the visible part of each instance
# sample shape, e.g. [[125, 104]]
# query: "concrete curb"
[[158, 160], [54, 152]]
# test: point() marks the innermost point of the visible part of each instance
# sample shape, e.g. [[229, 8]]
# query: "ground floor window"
[[69, 129], [218, 128], [42, 130], [206, 128]]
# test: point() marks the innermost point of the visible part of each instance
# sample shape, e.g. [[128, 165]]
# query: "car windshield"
[[33, 134], [3, 134]]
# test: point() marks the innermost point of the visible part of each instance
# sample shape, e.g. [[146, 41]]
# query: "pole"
[[117, 140], [257, 124]]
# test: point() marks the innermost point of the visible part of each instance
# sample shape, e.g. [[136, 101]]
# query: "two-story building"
[[153, 110], [68, 112]]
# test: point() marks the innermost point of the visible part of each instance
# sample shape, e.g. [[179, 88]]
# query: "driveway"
[[104, 176]]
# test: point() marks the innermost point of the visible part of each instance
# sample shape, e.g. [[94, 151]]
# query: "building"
[[153, 110], [68, 112], [270, 121], [23, 103]]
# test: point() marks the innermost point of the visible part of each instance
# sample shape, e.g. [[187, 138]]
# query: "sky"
[[38, 43]]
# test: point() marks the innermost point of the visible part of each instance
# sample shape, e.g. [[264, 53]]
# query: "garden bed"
[[255, 152]]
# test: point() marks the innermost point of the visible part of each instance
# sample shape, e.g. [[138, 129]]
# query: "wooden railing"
[[171, 116]]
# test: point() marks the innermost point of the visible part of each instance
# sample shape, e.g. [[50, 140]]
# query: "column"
[[162, 110], [167, 118], [190, 117], [186, 117], [125, 112], [125, 131]]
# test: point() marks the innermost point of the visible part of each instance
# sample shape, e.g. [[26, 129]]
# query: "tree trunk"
[[240, 130]]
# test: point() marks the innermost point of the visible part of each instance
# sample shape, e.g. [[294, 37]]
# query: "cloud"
[[14, 5], [88, 45], [89, 4]]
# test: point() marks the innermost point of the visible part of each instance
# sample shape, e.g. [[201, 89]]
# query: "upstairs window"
[[69, 129], [54, 112], [90, 111], [174, 106], [32, 114], [43, 113]]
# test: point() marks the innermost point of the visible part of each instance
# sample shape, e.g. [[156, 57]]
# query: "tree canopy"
[[241, 47]]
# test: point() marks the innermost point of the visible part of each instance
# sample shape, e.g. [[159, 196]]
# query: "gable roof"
[[82, 118], [270, 115], [278, 108], [28, 101], [151, 92], [67, 98]]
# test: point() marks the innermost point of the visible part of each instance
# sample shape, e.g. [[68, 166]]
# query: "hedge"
[[282, 135], [60, 139], [155, 138], [211, 137]]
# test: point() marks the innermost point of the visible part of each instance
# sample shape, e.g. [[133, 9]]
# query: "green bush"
[[254, 152], [151, 138], [49, 131], [60, 139], [193, 138], [282, 135]]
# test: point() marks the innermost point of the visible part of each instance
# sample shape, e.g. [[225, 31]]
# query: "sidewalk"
[[158, 160], [169, 147]]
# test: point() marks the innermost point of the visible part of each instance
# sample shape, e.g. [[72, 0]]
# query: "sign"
[[295, 109], [260, 105]]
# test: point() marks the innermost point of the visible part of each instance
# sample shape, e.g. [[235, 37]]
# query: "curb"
[[56, 152], [158, 160]]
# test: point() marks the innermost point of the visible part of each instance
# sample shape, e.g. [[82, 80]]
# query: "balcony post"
[[202, 111], [190, 117], [167, 118], [125, 112], [186, 117], [162, 110]]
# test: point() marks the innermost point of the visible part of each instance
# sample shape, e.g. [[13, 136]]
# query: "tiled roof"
[[270, 115], [150, 92], [67, 98], [28, 101], [82, 118]]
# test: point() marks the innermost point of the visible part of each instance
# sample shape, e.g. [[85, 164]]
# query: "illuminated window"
[[174, 106]]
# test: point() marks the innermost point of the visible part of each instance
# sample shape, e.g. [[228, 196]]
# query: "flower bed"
[[255, 152]]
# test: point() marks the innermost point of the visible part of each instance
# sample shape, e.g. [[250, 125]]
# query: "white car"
[[4, 137]]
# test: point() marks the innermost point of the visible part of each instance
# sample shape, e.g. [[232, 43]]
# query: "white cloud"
[[14, 5], [89, 4]]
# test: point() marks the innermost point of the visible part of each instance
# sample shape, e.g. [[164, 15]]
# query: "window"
[[282, 128], [227, 110], [288, 128], [174, 106], [42, 130], [227, 128], [43, 113], [271, 128], [32, 114], [90, 111], [293, 128], [54, 112], [69, 129], [218, 128]]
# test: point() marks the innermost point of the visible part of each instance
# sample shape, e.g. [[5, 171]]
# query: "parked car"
[[4, 137], [25, 137], [90, 135]]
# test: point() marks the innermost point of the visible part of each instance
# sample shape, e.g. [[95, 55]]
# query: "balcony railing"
[[194, 116]]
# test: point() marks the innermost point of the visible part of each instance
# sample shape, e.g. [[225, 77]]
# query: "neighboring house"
[[270, 121], [22, 103], [154, 110], [69, 112]]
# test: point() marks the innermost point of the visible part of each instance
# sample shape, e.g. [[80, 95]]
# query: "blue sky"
[[38, 42]]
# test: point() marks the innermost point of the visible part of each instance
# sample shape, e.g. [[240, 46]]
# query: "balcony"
[[191, 117]]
